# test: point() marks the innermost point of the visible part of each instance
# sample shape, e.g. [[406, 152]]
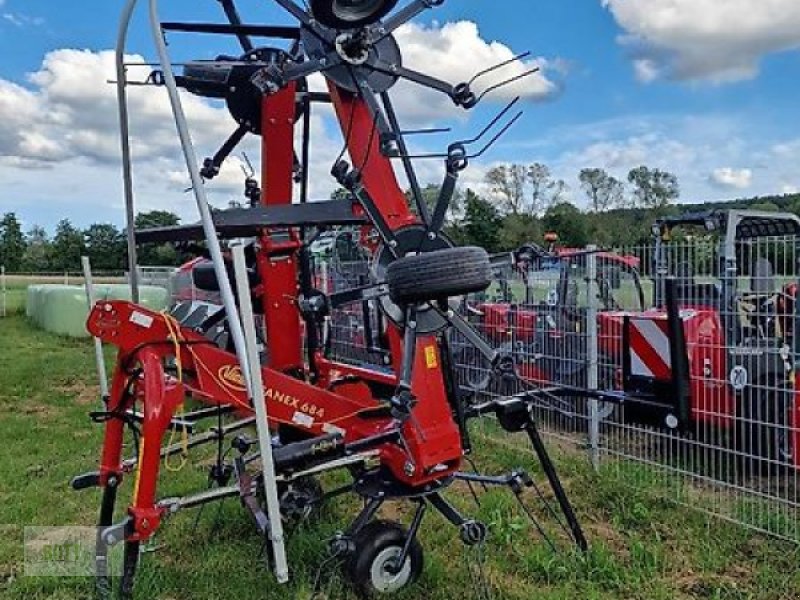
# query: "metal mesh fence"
[[735, 457], [562, 320], [597, 320]]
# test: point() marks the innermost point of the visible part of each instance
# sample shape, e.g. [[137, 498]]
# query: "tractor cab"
[[733, 262], [539, 307], [724, 318]]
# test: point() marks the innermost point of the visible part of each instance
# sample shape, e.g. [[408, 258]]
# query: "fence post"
[[3, 292], [592, 355], [100, 359]]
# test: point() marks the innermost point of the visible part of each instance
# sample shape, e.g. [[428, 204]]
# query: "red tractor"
[[718, 351], [538, 313]]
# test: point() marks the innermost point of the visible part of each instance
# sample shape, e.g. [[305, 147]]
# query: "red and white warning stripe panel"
[[650, 353]]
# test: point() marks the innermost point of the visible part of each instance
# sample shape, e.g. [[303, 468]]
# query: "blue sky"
[[708, 91]]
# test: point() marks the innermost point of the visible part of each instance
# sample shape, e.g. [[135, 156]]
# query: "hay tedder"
[[399, 430]]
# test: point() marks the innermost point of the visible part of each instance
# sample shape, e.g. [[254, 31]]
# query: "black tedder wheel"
[[439, 275], [376, 547]]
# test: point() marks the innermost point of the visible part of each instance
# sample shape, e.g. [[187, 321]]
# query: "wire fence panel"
[[562, 319], [586, 319]]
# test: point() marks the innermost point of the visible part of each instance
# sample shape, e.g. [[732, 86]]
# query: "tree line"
[[521, 205], [34, 251], [526, 201]]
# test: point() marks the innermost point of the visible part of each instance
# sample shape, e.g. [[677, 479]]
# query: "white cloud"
[[789, 189], [63, 122], [732, 179], [455, 52], [22, 20], [646, 70], [690, 146], [718, 40], [70, 112]]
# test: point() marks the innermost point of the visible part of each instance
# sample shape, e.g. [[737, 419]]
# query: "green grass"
[[642, 547], [15, 298]]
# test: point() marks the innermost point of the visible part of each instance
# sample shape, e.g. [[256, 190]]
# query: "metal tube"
[[225, 288], [592, 355], [100, 359], [125, 141], [253, 366]]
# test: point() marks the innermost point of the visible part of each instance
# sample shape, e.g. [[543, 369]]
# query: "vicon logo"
[[232, 377]]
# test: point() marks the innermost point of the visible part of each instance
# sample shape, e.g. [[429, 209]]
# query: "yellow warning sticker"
[[431, 357]]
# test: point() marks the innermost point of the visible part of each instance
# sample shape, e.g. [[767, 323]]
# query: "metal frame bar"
[[226, 291], [253, 367], [125, 141]]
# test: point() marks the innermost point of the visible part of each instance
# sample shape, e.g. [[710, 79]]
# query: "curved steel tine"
[[491, 124], [499, 66], [481, 135], [497, 86], [247, 167], [500, 134], [432, 130]]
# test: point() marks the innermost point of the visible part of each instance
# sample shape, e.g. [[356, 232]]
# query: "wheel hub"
[[385, 575]]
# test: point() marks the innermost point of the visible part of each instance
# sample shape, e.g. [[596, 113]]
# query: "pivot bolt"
[[410, 468]]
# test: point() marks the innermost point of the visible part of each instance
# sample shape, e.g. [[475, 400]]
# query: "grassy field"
[[15, 297], [642, 547]]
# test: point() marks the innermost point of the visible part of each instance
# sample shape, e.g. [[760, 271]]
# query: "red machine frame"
[[213, 376], [402, 429]]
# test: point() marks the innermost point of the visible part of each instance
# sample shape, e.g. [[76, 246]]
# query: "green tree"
[[156, 218], [508, 182], [569, 223], [105, 247], [158, 255], [67, 247], [482, 222], [37, 251], [12, 242], [430, 196], [604, 191], [653, 188], [518, 230]]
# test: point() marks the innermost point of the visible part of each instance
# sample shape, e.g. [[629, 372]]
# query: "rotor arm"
[[456, 162], [461, 94], [272, 79], [307, 20], [458, 323], [405, 15], [351, 181], [235, 20], [211, 166]]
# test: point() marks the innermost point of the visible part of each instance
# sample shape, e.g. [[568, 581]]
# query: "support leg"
[[555, 484]]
